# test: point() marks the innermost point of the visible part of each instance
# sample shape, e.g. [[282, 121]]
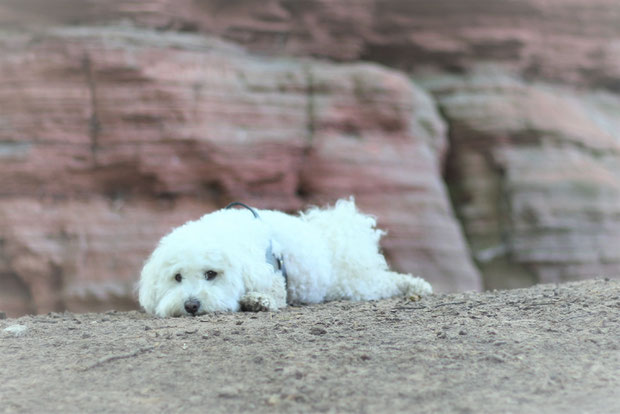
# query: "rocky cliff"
[[574, 41], [535, 175], [122, 119], [112, 136]]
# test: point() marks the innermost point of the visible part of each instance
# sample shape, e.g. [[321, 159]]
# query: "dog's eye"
[[178, 277], [210, 274]]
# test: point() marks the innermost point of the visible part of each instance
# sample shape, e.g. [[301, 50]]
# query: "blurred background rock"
[[483, 134]]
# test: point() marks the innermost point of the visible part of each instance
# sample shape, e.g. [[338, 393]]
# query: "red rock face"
[[112, 137], [109, 133], [535, 172], [377, 137], [567, 40]]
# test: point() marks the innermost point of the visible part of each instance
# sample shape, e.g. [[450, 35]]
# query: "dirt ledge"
[[550, 348]]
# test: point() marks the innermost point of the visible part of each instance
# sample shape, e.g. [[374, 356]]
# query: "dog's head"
[[205, 265]]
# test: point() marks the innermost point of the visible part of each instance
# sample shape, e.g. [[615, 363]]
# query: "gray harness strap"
[[275, 261]]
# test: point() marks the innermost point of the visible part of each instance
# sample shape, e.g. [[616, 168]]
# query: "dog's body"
[[230, 260]]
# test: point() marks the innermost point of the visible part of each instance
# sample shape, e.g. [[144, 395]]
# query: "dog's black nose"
[[192, 306]]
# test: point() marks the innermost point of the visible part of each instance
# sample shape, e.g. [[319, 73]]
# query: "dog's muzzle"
[[192, 306]]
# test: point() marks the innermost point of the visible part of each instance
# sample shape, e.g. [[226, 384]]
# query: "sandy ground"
[[547, 349]]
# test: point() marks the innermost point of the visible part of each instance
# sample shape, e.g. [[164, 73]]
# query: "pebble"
[[16, 330], [318, 331], [273, 400]]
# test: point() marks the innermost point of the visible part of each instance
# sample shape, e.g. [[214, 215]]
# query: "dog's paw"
[[257, 302], [417, 288]]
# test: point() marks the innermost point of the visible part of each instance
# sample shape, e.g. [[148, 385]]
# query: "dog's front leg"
[[258, 302]]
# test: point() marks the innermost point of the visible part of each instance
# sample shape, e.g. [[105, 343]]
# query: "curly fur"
[[329, 254]]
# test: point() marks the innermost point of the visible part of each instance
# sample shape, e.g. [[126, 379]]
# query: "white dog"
[[242, 259]]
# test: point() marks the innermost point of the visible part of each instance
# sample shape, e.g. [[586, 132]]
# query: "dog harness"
[[276, 261]]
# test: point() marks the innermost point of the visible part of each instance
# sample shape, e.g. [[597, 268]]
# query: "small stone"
[[16, 330], [2, 315], [414, 298], [495, 358], [318, 331], [273, 400], [228, 392]]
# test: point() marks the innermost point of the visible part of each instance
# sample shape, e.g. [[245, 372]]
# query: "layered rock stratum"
[[113, 136], [482, 134]]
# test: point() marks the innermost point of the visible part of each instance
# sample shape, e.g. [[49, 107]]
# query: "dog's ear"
[[148, 284], [249, 260]]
